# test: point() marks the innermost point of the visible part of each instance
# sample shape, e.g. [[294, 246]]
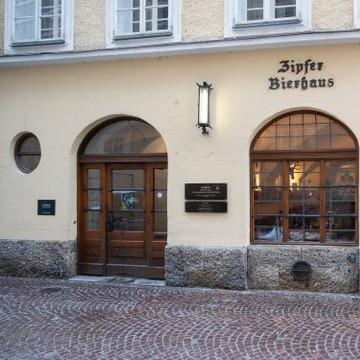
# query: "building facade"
[[99, 107]]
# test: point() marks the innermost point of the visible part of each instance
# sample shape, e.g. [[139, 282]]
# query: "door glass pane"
[[128, 200], [93, 199], [129, 221], [128, 179], [160, 222], [128, 190], [93, 179], [160, 200], [93, 194], [92, 220]]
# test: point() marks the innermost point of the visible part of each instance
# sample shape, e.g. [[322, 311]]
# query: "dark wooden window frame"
[[18, 153], [284, 157]]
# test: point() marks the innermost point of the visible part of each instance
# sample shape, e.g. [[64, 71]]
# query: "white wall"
[[60, 104]]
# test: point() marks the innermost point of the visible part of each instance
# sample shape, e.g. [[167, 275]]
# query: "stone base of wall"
[[28, 258], [334, 269], [213, 267]]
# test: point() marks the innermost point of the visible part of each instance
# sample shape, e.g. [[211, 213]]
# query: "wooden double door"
[[123, 219]]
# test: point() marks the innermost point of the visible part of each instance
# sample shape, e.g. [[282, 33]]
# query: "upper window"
[[37, 20], [42, 24], [142, 17], [143, 21], [250, 11], [304, 182], [261, 17]]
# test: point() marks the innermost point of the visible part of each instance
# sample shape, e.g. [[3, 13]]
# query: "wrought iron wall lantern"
[[204, 106]]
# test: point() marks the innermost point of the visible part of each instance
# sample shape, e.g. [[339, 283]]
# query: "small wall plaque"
[[206, 206], [46, 207], [205, 191]]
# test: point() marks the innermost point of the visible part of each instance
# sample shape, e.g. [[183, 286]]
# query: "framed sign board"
[[46, 207], [206, 191], [206, 206]]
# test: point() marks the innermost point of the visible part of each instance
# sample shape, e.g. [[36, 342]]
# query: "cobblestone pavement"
[[47, 319]]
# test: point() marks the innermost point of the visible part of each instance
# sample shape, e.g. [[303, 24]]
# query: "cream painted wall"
[[90, 24], [203, 20], [60, 104], [333, 15]]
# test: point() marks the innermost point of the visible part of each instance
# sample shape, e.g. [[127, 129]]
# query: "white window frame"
[[357, 14], [172, 34], [38, 45], [234, 26]]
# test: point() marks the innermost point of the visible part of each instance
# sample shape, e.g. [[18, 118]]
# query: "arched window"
[[304, 187], [126, 137]]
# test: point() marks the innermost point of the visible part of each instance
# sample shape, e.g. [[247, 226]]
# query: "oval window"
[[27, 153]]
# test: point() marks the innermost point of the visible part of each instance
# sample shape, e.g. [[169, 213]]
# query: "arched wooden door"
[[123, 201]]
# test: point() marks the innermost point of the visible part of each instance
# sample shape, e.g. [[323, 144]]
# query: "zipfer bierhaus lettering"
[[308, 80]]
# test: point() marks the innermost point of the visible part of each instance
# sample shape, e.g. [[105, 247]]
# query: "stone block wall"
[[213, 267], [333, 269], [27, 258]]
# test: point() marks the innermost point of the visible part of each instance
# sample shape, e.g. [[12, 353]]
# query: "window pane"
[[340, 173], [268, 228], [304, 173], [29, 162], [267, 173], [25, 8], [285, 12], [30, 145], [340, 229], [304, 228], [253, 15], [253, 4], [24, 29], [304, 132], [126, 137], [125, 21], [27, 153], [267, 200], [305, 201], [265, 144]]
